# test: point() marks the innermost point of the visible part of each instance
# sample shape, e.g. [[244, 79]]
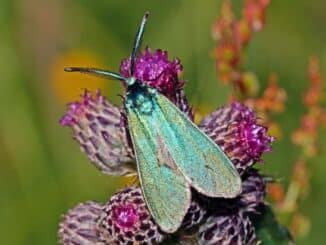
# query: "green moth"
[[172, 154]]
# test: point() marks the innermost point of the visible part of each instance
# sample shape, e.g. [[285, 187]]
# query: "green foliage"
[[269, 231]]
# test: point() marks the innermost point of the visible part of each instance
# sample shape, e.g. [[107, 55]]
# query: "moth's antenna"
[[137, 42], [96, 72]]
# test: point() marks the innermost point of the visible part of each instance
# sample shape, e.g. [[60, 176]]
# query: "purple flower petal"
[[155, 70]]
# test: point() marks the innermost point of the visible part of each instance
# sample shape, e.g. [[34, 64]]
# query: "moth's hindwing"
[[200, 160], [165, 189]]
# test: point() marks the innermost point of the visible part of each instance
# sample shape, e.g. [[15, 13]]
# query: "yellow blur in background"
[[66, 85]]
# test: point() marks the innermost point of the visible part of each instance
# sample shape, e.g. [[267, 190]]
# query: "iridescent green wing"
[[199, 159], [166, 191]]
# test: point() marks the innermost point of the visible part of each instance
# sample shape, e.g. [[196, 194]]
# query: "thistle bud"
[[79, 225], [227, 229], [236, 130], [98, 127]]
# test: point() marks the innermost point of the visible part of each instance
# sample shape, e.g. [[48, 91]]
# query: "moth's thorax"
[[140, 97]]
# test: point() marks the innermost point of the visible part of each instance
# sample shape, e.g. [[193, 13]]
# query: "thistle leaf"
[[269, 231]]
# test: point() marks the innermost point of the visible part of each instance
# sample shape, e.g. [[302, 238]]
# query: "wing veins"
[[143, 156], [217, 176]]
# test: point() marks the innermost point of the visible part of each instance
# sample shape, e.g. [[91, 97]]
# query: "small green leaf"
[[269, 231]]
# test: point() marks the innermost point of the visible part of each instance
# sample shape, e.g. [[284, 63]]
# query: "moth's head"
[[128, 81]]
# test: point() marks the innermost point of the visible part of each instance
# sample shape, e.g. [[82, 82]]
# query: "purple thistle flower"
[[128, 221], [235, 129], [98, 127], [79, 225], [155, 70]]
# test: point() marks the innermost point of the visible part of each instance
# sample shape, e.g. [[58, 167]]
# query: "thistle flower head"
[[79, 225], [253, 191], [227, 229], [195, 216], [155, 70], [127, 219], [235, 129], [98, 127]]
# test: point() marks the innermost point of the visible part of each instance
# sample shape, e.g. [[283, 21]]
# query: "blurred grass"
[[42, 171]]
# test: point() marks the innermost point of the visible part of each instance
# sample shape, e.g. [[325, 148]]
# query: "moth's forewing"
[[199, 159], [172, 155], [165, 189]]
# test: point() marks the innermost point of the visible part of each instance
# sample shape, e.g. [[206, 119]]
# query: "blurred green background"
[[42, 171]]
